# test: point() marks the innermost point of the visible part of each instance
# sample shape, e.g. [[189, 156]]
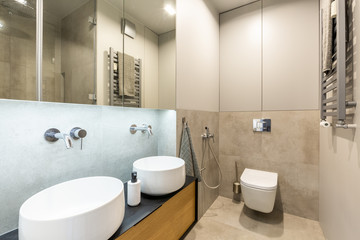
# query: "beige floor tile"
[[226, 219], [208, 229]]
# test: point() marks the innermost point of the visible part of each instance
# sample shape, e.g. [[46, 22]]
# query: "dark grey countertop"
[[133, 215]]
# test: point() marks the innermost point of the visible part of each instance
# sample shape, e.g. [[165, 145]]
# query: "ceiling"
[[151, 13], [226, 5]]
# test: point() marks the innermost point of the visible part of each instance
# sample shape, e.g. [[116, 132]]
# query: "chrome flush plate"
[[262, 125]]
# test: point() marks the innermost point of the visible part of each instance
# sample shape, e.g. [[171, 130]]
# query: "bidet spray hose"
[[203, 168]]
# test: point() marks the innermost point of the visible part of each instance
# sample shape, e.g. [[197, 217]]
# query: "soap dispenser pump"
[[133, 190]]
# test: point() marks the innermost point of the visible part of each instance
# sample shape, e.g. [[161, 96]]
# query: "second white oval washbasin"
[[89, 208], [160, 175]]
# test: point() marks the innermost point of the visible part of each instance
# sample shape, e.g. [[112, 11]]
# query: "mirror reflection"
[[69, 51], [17, 49], [78, 36], [141, 68], [158, 17]]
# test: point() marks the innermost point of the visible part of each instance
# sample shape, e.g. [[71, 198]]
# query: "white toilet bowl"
[[259, 189]]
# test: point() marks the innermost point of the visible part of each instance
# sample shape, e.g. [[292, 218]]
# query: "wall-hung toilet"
[[259, 189]]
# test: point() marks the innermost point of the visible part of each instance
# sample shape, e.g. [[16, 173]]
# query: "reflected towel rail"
[[116, 98]]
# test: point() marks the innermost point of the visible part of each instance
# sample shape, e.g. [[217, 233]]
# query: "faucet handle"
[[145, 128], [77, 133]]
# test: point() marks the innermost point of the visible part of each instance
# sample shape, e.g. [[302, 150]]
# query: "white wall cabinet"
[[269, 56], [290, 55], [240, 59]]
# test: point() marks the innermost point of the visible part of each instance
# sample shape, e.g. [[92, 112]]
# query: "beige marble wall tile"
[[67, 86], [31, 54], [291, 150], [294, 137], [237, 137], [18, 51], [30, 83], [59, 86], [4, 48], [197, 120], [4, 80], [48, 86], [18, 81]]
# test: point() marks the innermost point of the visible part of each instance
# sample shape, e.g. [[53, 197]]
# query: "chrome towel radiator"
[[333, 86], [116, 97]]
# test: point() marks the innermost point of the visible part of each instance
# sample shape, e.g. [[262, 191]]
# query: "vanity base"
[[169, 221]]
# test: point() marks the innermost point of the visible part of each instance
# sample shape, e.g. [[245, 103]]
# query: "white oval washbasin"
[[89, 208], [160, 175]]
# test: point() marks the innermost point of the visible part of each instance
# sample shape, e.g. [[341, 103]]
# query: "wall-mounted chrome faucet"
[[53, 134], [78, 133], [144, 128]]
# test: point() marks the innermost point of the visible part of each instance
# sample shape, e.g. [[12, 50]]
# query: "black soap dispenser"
[[133, 190]]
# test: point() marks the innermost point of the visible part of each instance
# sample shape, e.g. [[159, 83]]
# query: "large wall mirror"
[[104, 52]]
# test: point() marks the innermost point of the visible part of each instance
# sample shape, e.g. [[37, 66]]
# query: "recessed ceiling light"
[[23, 2], [170, 10], [1, 25]]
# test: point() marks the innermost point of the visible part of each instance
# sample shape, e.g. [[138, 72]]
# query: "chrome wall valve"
[[78, 133]]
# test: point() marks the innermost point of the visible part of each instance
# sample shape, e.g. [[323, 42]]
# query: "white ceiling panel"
[[150, 12], [226, 5]]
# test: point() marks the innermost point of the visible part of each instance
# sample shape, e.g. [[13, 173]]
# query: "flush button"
[[262, 125]]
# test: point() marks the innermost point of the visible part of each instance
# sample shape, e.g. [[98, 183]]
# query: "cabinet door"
[[290, 55], [240, 59], [170, 221]]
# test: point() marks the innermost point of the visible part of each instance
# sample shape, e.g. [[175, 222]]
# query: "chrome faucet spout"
[[67, 140], [149, 130], [144, 128], [53, 134]]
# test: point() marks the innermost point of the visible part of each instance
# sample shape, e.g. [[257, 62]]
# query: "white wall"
[[340, 165], [197, 32]]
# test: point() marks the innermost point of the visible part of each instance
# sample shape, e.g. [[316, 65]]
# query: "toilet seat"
[[259, 179]]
